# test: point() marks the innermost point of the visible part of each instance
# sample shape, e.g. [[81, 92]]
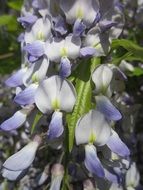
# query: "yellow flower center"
[[56, 104], [79, 13], [40, 36], [64, 51], [92, 137]]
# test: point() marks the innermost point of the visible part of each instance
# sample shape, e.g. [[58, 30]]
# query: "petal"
[[56, 125], [44, 175], [27, 20], [36, 72], [32, 58], [102, 77], [88, 185], [132, 178], [16, 79], [13, 175], [55, 93], [104, 105], [23, 158], [92, 127], [26, 97], [53, 50], [16, 121], [59, 25], [106, 25], [92, 161], [111, 176], [35, 49], [41, 30], [117, 146], [56, 183], [79, 9], [87, 51], [72, 44], [78, 28], [65, 67]]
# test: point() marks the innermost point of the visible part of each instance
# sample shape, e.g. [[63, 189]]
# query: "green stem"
[[83, 105], [37, 118]]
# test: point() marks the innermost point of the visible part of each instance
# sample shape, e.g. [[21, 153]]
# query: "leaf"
[[17, 4], [84, 92], [134, 51], [9, 21], [137, 72]]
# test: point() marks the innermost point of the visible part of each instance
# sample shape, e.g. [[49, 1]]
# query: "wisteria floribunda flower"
[[62, 51], [18, 163], [77, 14], [36, 37], [31, 79], [57, 176], [109, 26], [55, 94], [95, 129], [102, 77]]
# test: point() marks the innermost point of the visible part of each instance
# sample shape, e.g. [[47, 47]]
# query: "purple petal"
[[26, 97], [14, 122], [87, 51], [104, 105], [111, 176], [78, 28], [13, 175], [16, 79], [65, 68], [60, 25], [32, 59], [92, 162], [28, 20], [98, 17], [21, 37], [117, 146], [106, 25], [56, 126], [35, 49]]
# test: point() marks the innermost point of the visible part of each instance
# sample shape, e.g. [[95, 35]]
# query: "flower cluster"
[[58, 35]]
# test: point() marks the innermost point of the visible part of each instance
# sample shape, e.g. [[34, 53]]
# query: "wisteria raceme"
[[58, 37]]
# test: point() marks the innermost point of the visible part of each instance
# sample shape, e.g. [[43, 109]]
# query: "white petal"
[[102, 77], [36, 72], [23, 158], [55, 93], [41, 30], [54, 50], [79, 9], [132, 176], [13, 175], [72, 44], [92, 127]]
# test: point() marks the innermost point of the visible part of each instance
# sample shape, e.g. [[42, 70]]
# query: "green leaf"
[[84, 92], [17, 4], [137, 72], [9, 21], [134, 50]]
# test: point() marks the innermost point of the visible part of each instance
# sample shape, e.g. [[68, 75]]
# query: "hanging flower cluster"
[[58, 36]]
